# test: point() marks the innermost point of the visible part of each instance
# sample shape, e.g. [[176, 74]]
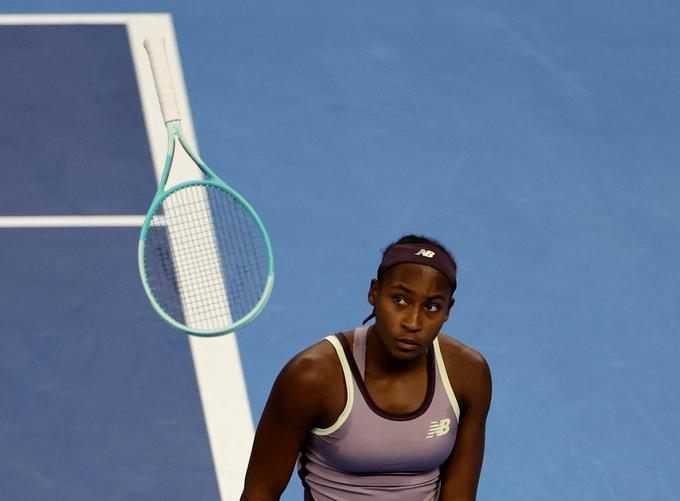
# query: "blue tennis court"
[[538, 142]]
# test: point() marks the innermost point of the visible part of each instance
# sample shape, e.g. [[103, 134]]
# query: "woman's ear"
[[373, 292]]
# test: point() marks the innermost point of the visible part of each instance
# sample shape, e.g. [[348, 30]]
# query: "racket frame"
[[175, 134]]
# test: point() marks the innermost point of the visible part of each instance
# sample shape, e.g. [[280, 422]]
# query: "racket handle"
[[155, 48]]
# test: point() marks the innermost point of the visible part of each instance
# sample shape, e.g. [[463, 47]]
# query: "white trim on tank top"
[[443, 375], [349, 385]]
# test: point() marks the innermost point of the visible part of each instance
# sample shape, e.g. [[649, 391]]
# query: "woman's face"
[[411, 302]]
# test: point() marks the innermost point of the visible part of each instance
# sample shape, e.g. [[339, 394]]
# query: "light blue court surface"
[[540, 142]]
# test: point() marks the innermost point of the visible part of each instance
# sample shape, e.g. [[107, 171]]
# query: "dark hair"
[[420, 239]]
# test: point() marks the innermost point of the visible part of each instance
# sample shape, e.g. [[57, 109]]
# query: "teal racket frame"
[[174, 134]]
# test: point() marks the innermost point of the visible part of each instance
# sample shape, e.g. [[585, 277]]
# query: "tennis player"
[[395, 410]]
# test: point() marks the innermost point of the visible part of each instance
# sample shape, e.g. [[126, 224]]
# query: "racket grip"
[[155, 48]]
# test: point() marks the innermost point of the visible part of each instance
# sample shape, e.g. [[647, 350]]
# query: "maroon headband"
[[426, 254]]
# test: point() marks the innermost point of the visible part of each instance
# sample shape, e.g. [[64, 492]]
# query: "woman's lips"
[[406, 344]]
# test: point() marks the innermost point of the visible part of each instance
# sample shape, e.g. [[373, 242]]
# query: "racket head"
[[205, 258]]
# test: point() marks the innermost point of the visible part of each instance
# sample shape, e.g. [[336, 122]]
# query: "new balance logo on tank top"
[[370, 453]]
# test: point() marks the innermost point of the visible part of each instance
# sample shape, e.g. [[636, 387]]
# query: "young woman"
[[393, 411]]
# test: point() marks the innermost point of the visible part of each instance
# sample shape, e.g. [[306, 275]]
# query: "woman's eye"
[[400, 300]]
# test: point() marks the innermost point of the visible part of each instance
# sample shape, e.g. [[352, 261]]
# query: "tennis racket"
[[204, 256]]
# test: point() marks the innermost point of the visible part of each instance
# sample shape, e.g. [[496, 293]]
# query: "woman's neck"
[[380, 360]]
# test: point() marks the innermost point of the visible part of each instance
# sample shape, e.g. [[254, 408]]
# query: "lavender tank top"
[[370, 453]]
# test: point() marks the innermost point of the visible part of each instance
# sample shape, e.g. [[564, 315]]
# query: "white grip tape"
[[155, 48]]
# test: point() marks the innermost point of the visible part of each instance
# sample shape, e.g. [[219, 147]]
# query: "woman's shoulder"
[[315, 364], [457, 352], [467, 368], [312, 380]]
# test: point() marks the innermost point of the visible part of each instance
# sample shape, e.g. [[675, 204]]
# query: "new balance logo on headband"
[[425, 253]]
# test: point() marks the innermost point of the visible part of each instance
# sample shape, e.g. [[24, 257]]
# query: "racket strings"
[[205, 258]]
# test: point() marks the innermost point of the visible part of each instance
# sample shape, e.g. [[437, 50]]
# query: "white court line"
[[69, 221], [217, 361]]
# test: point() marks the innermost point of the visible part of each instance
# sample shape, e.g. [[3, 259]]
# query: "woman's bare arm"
[[296, 403], [460, 474]]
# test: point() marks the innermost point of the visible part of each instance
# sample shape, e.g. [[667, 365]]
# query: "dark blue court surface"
[[71, 122], [98, 400], [539, 141]]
